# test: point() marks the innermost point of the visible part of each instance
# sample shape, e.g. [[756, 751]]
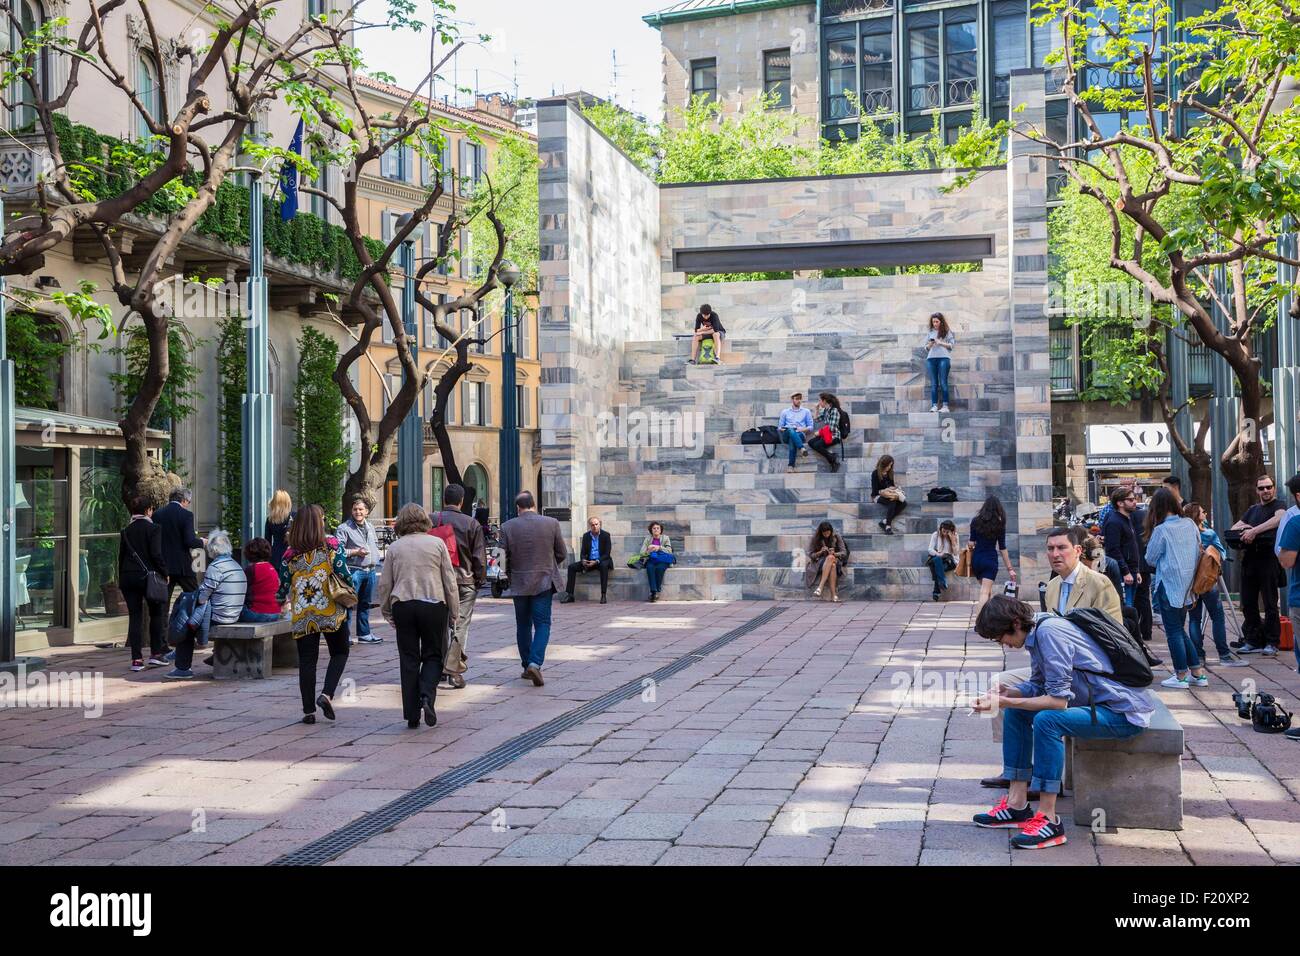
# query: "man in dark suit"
[[178, 540], [594, 554], [535, 549]]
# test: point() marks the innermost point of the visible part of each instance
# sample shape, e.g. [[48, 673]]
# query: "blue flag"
[[289, 179]]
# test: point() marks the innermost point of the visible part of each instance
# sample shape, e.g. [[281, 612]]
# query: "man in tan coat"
[[1077, 585]]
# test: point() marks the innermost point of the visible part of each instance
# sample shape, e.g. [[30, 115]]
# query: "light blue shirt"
[[1174, 550], [1057, 649], [796, 418], [595, 547], [1281, 526]]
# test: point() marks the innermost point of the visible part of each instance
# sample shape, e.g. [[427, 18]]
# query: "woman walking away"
[[419, 596], [1211, 600], [279, 515], [944, 546], [314, 565], [1174, 549], [828, 555], [826, 428], [988, 535], [138, 555], [886, 494], [260, 605], [939, 343], [654, 542]]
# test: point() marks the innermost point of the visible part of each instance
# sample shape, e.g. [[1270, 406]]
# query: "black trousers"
[[136, 605], [893, 508], [1259, 574], [816, 445], [604, 566], [1142, 603], [421, 630], [309, 653]]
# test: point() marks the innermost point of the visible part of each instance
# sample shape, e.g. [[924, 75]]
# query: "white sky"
[[557, 46]]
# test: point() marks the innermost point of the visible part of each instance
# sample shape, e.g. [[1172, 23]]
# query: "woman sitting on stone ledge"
[[828, 555], [886, 494]]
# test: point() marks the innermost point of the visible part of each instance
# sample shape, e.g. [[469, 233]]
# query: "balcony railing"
[[24, 159], [877, 101]]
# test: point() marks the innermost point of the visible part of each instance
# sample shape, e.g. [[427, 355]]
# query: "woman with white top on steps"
[[939, 343]]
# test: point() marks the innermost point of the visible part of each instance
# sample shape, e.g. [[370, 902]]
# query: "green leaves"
[[320, 455]]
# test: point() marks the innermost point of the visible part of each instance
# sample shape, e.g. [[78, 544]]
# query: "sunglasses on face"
[[1264, 488]]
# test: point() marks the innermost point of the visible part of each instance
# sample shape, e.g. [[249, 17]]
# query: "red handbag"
[[825, 435]]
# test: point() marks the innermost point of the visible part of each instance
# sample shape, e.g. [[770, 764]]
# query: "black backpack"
[[845, 427], [941, 494], [1129, 660]]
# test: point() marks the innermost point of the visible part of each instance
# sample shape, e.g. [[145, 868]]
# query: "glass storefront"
[[100, 521], [42, 538]]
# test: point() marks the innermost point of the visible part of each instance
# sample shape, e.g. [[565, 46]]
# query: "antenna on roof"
[[613, 78]]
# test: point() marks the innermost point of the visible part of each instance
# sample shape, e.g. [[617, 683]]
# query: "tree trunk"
[[367, 482], [140, 473], [438, 420]]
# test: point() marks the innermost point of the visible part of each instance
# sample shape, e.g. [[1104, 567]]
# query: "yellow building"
[[398, 184]]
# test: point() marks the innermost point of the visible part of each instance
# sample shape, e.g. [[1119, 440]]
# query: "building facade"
[[390, 189]]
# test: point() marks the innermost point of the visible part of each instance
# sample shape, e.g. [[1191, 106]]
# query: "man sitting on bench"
[[707, 326], [1067, 675]]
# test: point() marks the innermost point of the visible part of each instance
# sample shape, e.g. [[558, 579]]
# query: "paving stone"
[[647, 826], [621, 853]]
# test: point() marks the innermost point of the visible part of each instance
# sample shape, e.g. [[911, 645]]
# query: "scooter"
[[497, 575]]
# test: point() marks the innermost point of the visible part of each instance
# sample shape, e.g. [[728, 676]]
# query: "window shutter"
[[451, 406], [385, 328], [464, 403], [448, 183], [386, 225], [487, 402], [424, 171], [408, 164], [521, 332]]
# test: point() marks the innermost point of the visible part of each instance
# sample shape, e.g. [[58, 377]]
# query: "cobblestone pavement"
[[787, 745]]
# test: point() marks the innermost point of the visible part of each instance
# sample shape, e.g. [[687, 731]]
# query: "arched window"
[[148, 87], [476, 486], [30, 17]]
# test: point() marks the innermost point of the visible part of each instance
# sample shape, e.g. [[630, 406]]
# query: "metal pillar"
[[1286, 377], [509, 451], [257, 411], [1179, 386], [9, 659], [410, 436]]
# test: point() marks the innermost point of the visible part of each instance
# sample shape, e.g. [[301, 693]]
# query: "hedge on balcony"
[[305, 240]]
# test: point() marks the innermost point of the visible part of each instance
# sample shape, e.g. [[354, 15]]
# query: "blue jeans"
[[363, 580], [794, 439], [937, 571], [533, 627], [654, 572], [938, 379], [1210, 601], [1033, 744], [1182, 651], [258, 617]]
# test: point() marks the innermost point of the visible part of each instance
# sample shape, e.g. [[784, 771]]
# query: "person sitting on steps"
[[707, 317], [594, 554], [655, 540], [944, 547], [828, 555], [828, 418], [886, 494], [706, 343], [939, 343], [794, 425]]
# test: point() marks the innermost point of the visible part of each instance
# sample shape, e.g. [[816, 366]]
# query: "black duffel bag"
[[762, 435], [940, 494]]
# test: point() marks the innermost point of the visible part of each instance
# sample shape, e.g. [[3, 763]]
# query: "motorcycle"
[[497, 576]]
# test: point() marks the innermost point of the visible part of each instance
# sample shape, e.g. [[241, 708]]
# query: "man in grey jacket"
[[471, 551], [535, 551], [361, 548]]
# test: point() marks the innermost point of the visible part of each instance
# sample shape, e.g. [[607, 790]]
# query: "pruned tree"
[[236, 68], [1199, 174]]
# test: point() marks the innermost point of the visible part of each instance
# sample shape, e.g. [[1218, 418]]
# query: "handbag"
[[826, 435], [341, 592], [941, 494], [663, 557], [963, 562], [637, 562], [762, 435], [155, 585]]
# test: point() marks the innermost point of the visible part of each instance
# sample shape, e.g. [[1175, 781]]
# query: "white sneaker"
[[1269, 651], [943, 409], [1175, 683], [1202, 681], [1232, 660], [934, 408]]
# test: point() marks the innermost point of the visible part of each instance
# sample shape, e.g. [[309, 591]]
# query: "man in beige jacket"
[[1077, 585]]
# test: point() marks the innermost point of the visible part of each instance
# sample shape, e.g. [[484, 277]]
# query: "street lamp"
[[410, 437], [257, 412], [508, 273]]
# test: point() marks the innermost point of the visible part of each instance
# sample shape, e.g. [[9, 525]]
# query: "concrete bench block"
[[1136, 782], [251, 651]]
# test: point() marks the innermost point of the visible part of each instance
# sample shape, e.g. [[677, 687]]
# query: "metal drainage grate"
[[388, 816]]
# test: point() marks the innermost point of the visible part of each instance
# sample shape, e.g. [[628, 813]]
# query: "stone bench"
[[1136, 782], [252, 651]]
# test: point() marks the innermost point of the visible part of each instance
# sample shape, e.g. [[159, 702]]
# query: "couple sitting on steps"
[[801, 432]]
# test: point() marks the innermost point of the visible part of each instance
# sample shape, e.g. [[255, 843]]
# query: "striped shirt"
[[224, 586], [1174, 550]]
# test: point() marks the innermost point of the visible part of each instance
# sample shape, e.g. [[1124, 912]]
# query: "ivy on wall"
[[101, 166], [180, 396], [36, 348], [232, 378], [320, 455]]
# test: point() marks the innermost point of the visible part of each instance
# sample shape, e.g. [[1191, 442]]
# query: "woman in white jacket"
[[944, 548]]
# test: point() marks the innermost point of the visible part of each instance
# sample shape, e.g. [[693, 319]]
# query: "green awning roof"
[[705, 9]]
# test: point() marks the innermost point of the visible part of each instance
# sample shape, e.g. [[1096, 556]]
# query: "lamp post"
[[508, 457], [9, 659], [256, 413], [410, 437]]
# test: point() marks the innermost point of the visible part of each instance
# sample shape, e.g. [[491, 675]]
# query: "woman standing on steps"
[[939, 343], [988, 538], [886, 494], [828, 555]]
